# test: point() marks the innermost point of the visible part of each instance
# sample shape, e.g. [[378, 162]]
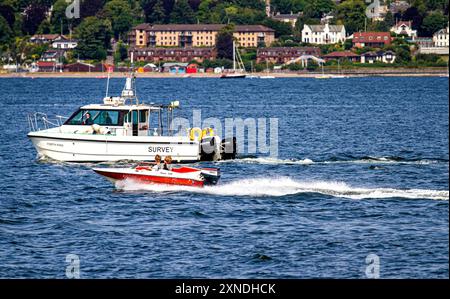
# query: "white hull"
[[100, 148]]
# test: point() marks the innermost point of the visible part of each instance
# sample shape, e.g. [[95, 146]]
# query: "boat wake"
[[361, 160], [282, 186]]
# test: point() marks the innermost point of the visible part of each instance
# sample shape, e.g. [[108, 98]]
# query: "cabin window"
[[107, 118], [143, 115], [99, 117]]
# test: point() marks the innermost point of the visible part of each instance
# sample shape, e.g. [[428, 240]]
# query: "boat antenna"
[[107, 82]]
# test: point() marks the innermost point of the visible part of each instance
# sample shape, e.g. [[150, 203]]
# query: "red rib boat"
[[182, 176]]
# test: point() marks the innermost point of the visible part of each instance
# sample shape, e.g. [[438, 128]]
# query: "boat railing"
[[38, 121]]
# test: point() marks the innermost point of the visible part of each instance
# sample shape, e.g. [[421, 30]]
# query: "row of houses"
[[78, 67], [283, 55], [57, 41], [274, 55], [331, 34]]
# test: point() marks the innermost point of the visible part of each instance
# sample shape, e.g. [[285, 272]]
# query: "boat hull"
[[233, 76], [103, 148], [184, 176]]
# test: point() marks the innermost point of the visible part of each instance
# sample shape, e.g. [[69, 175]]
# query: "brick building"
[[281, 55], [197, 35]]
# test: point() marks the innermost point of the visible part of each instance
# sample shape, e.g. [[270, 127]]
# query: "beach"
[[354, 72]]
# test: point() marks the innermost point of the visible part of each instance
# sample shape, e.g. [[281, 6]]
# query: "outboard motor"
[[228, 148], [210, 150]]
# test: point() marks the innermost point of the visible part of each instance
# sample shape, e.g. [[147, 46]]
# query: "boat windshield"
[[99, 117]]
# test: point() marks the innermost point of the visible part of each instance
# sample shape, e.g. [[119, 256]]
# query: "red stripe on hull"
[[151, 179]]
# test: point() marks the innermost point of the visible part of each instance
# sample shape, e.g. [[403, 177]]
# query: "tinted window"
[[100, 117], [107, 118], [143, 115], [76, 118]]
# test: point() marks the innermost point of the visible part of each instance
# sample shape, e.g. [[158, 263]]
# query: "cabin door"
[[132, 123]]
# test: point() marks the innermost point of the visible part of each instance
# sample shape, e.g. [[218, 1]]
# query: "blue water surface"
[[362, 168]]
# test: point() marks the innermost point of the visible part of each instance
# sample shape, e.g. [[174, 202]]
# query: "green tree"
[[33, 16], [7, 11], [281, 28], [119, 12], [433, 22], [5, 31], [59, 20], [317, 8], [288, 6], [389, 19], [156, 14], [89, 8], [353, 12], [93, 38], [224, 43], [182, 13], [19, 49]]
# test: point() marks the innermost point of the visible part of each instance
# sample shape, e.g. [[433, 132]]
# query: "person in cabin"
[[157, 165], [168, 163], [108, 120], [88, 119]]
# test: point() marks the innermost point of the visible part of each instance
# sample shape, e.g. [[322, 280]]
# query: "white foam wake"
[[262, 187], [271, 161], [306, 161]]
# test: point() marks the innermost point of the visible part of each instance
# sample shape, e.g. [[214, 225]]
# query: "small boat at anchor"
[[181, 176], [238, 66]]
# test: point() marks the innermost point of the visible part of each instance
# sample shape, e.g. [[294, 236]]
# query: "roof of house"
[[53, 53], [442, 31], [292, 16], [143, 26], [80, 63], [341, 54], [400, 23], [371, 36], [178, 50], [62, 38], [377, 53], [205, 27], [321, 28], [46, 36], [46, 63], [171, 64], [289, 49]]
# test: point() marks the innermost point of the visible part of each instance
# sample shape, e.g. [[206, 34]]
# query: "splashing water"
[[362, 160], [282, 186]]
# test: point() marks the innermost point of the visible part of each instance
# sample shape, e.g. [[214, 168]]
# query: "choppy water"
[[362, 169]]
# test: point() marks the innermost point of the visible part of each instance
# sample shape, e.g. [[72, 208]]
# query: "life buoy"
[[195, 134], [206, 131]]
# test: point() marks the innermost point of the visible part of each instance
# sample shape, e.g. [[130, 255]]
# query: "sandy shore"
[[360, 72]]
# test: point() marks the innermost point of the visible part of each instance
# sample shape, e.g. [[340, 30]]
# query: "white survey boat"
[[122, 128]]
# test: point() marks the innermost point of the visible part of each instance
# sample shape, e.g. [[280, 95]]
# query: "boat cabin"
[[125, 120]]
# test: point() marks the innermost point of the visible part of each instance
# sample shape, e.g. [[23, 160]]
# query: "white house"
[[380, 56], [405, 28], [440, 38], [323, 34], [63, 43]]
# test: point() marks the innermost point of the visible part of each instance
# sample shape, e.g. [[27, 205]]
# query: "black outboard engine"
[[209, 149], [228, 148]]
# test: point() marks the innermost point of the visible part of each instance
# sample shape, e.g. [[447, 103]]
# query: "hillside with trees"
[[101, 22]]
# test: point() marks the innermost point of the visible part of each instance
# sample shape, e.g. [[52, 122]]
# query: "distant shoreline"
[[356, 72]]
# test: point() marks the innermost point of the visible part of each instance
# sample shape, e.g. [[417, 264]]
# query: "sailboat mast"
[[234, 56]]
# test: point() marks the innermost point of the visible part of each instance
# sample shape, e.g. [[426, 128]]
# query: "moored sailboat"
[[238, 66]]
